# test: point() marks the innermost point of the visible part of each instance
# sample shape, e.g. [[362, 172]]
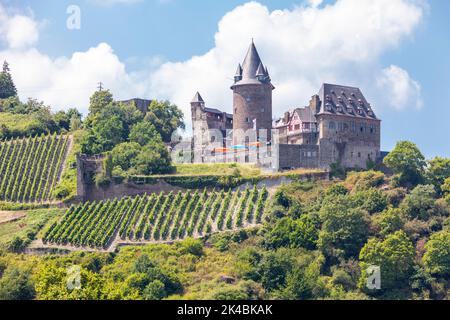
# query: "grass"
[[221, 169], [19, 124], [33, 222], [67, 188]]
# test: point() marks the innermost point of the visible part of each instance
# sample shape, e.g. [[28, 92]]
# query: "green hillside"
[[157, 217], [31, 167]]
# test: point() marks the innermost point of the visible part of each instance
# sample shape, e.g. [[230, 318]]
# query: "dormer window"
[[350, 100], [327, 106], [339, 108], [350, 110], [340, 99], [328, 98]]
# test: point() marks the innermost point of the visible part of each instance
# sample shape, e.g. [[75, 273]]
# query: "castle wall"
[[298, 156]]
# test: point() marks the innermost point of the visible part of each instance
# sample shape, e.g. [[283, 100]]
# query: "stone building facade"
[[338, 125]]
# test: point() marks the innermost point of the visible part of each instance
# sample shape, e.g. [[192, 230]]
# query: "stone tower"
[[252, 95]]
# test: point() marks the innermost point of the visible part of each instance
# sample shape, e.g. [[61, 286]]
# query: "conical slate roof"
[[197, 98], [238, 71], [261, 71], [251, 63], [252, 70]]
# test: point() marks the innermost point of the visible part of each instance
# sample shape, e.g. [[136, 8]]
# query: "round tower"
[[252, 95]]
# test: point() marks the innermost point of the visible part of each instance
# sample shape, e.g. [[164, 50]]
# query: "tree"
[[438, 171], [420, 203], [372, 200], [344, 228], [99, 100], [155, 290], [165, 117], [300, 233], [394, 256], [389, 221], [109, 131], [446, 189], [407, 161], [437, 256], [144, 132], [15, 284], [7, 87], [124, 153], [154, 158]]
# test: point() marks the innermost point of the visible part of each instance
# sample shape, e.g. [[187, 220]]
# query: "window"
[[297, 127], [247, 120], [263, 110], [359, 154], [332, 125]]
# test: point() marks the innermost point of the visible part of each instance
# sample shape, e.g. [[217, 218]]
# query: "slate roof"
[[305, 114], [343, 100], [217, 111], [252, 69]]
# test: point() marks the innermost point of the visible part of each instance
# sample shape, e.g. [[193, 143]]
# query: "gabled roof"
[[306, 114], [345, 101]]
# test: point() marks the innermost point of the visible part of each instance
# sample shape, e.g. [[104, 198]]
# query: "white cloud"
[[18, 31], [302, 48], [315, 3], [399, 89]]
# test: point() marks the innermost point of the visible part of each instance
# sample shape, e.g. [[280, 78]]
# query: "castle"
[[338, 125]]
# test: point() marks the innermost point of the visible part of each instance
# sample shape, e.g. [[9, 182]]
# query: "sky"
[[396, 51]]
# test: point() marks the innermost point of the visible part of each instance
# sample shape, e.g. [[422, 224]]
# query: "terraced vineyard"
[[157, 217], [31, 167]]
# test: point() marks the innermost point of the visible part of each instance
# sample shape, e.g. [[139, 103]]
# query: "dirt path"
[[9, 216]]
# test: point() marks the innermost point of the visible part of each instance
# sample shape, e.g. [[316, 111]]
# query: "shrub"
[[420, 203], [358, 181], [437, 256]]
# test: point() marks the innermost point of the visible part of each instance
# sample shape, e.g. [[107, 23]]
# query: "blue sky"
[[171, 48]]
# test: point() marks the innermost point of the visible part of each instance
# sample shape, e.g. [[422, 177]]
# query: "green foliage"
[[166, 118], [337, 171], [15, 284], [420, 203], [446, 188], [7, 87], [153, 218], [154, 158], [408, 162], [389, 221], [372, 200], [31, 167], [99, 100], [437, 172], [437, 256], [300, 233], [124, 153], [359, 181], [143, 133], [344, 228], [394, 256]]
